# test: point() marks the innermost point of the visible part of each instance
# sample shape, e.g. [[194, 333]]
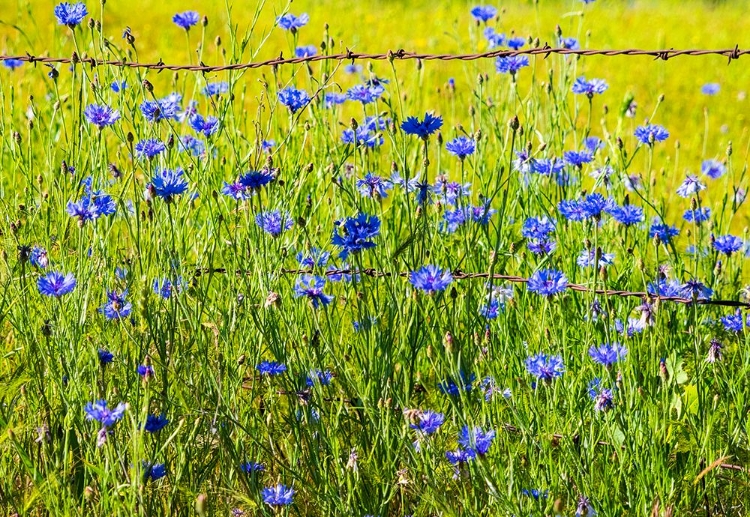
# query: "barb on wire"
[[460, 275], [545, 50]]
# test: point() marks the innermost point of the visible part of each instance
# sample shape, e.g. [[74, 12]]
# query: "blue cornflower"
[[511, 64], [165, 287], [168, 183], [291, 22], [423, 128], [663, 287], [695, 289], [118, 86], [450, 191], [70, 14], [255, 180], [213, 89], [155, 423], [627, 215], [352, 68], [545, 367], [593, 143], [453, 220], [461, 147], [278, 495], [476, 439], [373, 186], [333, 99], [495, 39], [315, 257], [484, 13], [270, 368], [698, 216], [537, 227], [547, 282], [577, 158], [145, 370], [305, 51], [12, 63], [727, 244], [460, 456], [587, 258], [56, 284], [569, 43], [364, 93], [311, 286], [161, 109], [602, 397], [431, 279], [362, 136], [515, 43], [608, 354], [651, 133], [663, 231], [101, 413], [153, 471], [321, 377], [293, 98], [710, 88], [594, 204], [149, 148], [546, 166], [589, 88], [236, 191], [208, 126], [101, 116], [196, 146], [541, 246], [250, 467], [186, 19], [690, 186], [482, 214], [116, 306], [429, 422], [38, 257], [452, 387], [357, 234], [714, 169], [105, 356], [535, 493], [584, 508], [733, 322], [274, 222]]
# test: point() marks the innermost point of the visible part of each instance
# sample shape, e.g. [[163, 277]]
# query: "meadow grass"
[[192, 300]]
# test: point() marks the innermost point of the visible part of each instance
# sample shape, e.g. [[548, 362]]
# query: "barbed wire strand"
[[401, 54]]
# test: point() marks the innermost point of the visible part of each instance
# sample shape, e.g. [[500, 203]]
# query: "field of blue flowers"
[[371, 288]]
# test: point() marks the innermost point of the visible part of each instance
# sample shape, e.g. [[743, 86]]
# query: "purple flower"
[[690, 186], [311, 287], [274, 222], [278, 495], [431, 279], [733, 322], [373, 186], [213, 89], [714, 169], [537, 228], [602, 397], [461, 147], [547, 282], [208, 126], [101, 116], [429, 422], [364, 93], [357, 234], [293, 98], [476, 439], [116, 306], [149, 148], [545, 367], [101, 413], [710, 88]]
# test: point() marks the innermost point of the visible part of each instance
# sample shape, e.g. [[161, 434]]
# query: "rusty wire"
[[401, 54], [460, 275]]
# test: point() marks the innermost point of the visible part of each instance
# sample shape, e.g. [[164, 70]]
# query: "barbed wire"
[[401, 54], [460, 275]]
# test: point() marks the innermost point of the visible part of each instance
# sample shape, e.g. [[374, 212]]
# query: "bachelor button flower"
[[101, 413], [651, 133], [541, 246], [515, 43], [250, 467], [465, 383], [714, 351], [118, 86], [105, 356], [278, 495], [321, 377], [236, 191], [593, 143], [12, 63], [255, 180], [305, 51], [537, 228], [589, 88], [38, 257], [84, 210], [116, 306], [208, 126], [213, 89], [431, 279], [484, 13], [594, 204], [270, 368], [695, 289], [291, 22], [602, 397], [311, 286], [584, 508], [690, 186], [162, 109], [627, 215], [545, 367], [315, 257], [333, 99], [461, 147], [274, 222], [153, 471], [698, 216], [714, 169], [155, 423], [727, 244], [569, 43], [587, 258], [450, 191], [186, 19], [357, 234], [482, 214], [373, 186], [663, 231], [547, 166], [145, 370], [476, 439], [423, 128], [453, 220], [577, 158], [293, 98], [665, 288], [547, 282], [494, 39], [733, 322], [101, 116], [56, 284], [362, 136], [710, 89], [70, 14], [149, 148], [168, 183], [364, 93], [165, 287], [459, 456], [607, 354], [511, 64], [429, 422]]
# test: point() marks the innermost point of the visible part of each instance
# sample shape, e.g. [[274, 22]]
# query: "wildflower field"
[[510, 285]]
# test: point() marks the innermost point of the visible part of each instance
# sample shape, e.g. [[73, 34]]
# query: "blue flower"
[[698, 216], [357, 234], [101, 116], [332, 99], [584, 508], [511, 64], [373, 186], [364, 93], [733, 322], [727, 244], [627, 215], [460, 456], [515, 43], [589, 88], [155, 423], [38, 257], [547, 282], [311, 287], [56, 284], [118, 86], [593, 143], [482, 214], [714, 169], [461, 147], [116, 306], [316, 257], [651, 133], [362, 136], [577, 158], [476, 439], [608, 354], [710, 88], [450, 191], [663, 231], [293, 98], [250, 467], [545, 367], [153, 471], [423, 128], [105, 356], [535, 493], [291, 22], [145, 370], [695, 289], [587, 258], [208, 126], [165, 287], [305, 51], [255, 180], [274, 222], [161, 109], [690, 186], [484, 13], [70, 14], [453, 387], [213, 89], [278, 495], [270, 368], [541, 246], [547, 166], [494, 38], [453, 220], [429, 422], [431, 279], [168, 183], [321, 377], [186, 19], [569, 43], [149, 148], [101, 413], [665, 288], [12, 63]]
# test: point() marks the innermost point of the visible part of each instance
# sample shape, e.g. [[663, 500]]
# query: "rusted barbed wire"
[[401, 54], [460, 275]]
